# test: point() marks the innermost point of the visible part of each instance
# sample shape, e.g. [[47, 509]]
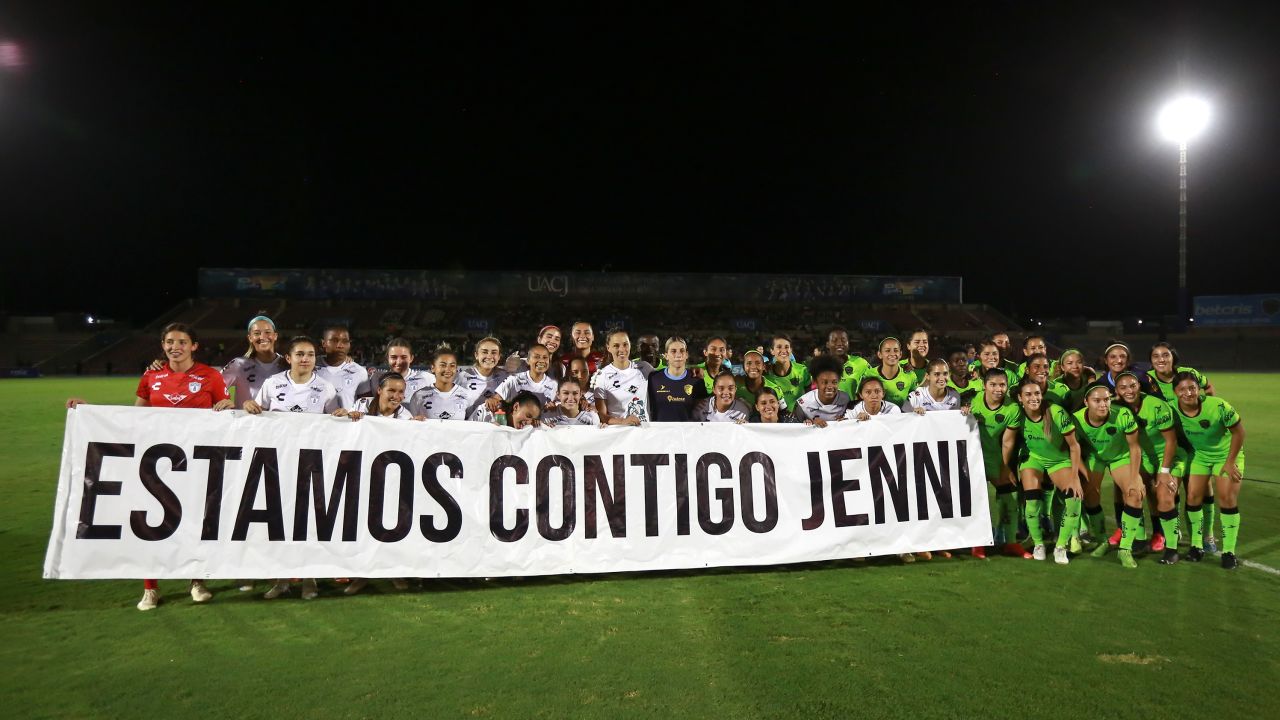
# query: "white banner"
[[171, 493]]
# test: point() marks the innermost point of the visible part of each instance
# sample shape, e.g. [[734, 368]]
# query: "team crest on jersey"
[[1111, 430], [902, 385], [999, 418], [688, 390], [1204, 424], [848, 370], [194, 387]]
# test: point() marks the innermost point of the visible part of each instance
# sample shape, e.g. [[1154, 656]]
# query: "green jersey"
[[1209, 431], [1054, 446], [968, 391], [851, 374], [1106, 442], [1075, 397], [709, 378], [993, 422], [1165, 389], [748, 397], [1057, 393], [897, 389], [1154, 417], [918, 372], [1022, 368], [792, 385]]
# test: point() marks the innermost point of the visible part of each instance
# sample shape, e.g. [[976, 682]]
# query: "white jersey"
[[886, 408], [282, 394], [350, 379], [557, 418], [245, 375], [521, 382], [362, 406], [435, 403], [624, 391], [920, 398], [705, 411], [479, 388], [414, 380], [810, 408]]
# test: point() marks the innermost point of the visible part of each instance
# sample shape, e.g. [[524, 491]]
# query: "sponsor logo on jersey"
[[296, 408], [155, 386], [280, 396], [444, 415], [617, 383], [175, 399], [633, 388]]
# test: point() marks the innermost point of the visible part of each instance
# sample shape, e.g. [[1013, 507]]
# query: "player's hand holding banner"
[[187, 493]]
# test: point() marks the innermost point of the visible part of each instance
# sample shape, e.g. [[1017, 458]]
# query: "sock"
[[1169, 523], [1070, 519], [1155, 521], [1195, 521], [1130, 526], [1230, 528], [1051, 508], [1007, 500], [1035, 504], [1211, 515], [150, 585], [1119, 508], [1096, 522]]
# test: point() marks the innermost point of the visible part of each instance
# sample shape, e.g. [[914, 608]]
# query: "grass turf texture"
[[947, 638]]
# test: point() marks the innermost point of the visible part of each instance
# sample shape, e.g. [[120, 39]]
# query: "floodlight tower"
[[1181, 120]]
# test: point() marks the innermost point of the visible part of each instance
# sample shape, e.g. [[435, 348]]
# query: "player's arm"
[[1006, 445], [1077, 462], [1170, 448]]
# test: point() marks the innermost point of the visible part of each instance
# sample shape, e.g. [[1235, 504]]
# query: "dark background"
[[1011, 143]]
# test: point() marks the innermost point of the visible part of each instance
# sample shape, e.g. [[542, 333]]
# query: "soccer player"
[[959, 377], [994, 410], [917, 361], [571, 408], [299, 389], [871, 400], [674, 391], [443, 399], [713, 362], [548, 337], [897, 383], [1164, 366], [768, 407], [1216, 435], [1035, 345], [1164, 464], [581, 338], [181, 382], [1037, 368], [580, 371], [934, 394], [347, 376], [1073, 375], [753, 378], [524, 410], [1051, 452], [244, 375], [647, 350], [482, 379], [786, 374], [534, 380], [400, 361], [723, 405], [852, 367], [387, 402], [1109, 441], [826, 403], [1117, 359], [620, 387]]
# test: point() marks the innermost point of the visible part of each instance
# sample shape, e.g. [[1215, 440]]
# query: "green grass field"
[[1002, 638]]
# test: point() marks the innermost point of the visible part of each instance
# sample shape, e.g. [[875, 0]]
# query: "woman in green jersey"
[[994, 410], [1216, 435], [1164, 366], [917, 361], [1051, 451], [959, 377], [791, 378], [1109, 434], [898, 383], [1037, 368], [1075, 376], [1164, 464]]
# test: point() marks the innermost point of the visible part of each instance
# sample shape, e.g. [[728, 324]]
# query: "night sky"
[[1011, 143]]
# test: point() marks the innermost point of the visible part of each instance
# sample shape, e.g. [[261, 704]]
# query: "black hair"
[[1172, 351], [866, 380], [991, 372], [374, 407], [823, 364], [182, 328], [297, 340], [523, 398], [1185, 375]]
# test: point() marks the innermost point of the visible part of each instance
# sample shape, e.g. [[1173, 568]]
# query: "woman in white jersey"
[[298, 389], [620, 387], [769, 408], [723, 405], [388, 403], [442, 400], [871, 400], [484, 377], [825, 403], [245, 374], [536, 380], [400, 361], [934, 393], [570, 407]]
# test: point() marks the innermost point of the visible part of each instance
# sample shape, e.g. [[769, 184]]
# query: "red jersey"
[[199, 387], [594, 361]]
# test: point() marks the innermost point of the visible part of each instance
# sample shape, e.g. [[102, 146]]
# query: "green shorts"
[[994, 467], [1048, 466], [1096, 464], [1178, 469], [1209, 466]]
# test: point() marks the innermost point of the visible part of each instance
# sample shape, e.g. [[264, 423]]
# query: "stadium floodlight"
[[1181, 120]]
